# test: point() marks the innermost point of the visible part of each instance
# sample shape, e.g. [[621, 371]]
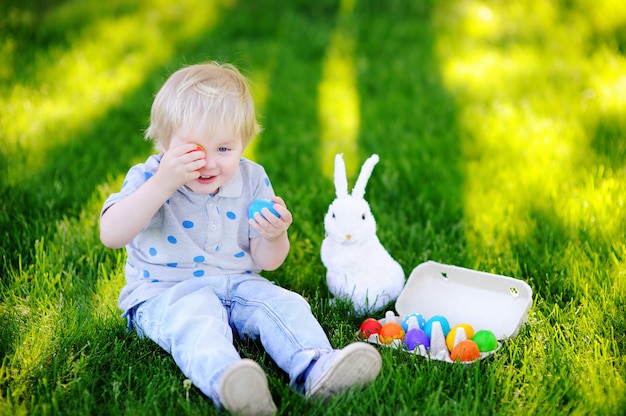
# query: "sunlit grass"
[[532, 93], [110, 58], [338, 98], [259, 84], [525, 109], [531, 90], [48, 304]]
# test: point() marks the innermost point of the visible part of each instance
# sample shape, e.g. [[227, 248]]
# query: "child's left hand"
[[269, 225]]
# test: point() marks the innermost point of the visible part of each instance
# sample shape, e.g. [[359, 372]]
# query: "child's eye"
[[222, 149]]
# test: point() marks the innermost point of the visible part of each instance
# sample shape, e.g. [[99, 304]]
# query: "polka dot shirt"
[[192, 235]]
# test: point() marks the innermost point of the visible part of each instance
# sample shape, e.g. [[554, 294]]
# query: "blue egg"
[[258, 204], [445, 326], [421, 322]]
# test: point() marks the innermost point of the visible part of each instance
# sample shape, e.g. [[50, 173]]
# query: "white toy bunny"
[[359, 268]]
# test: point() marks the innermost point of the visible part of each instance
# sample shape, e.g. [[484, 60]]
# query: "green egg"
[[485, 340]]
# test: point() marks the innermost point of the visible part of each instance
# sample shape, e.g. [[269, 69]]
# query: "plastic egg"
[[486, 340], [451, 337], [257, 206], [445, 326], [198, 147], [420, 321], [369, 327], [465, 351], [415, 337], [390, 332]]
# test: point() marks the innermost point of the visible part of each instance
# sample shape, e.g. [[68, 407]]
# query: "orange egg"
[[200, 148], [465, 351], [469, 334], [389, 332]]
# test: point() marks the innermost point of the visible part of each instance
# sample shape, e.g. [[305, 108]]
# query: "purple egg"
[[416, 337]]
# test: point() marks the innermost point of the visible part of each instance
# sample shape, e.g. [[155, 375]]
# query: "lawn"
[[501, 131]]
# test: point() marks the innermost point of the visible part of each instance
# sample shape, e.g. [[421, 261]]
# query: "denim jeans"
[[195, 322]]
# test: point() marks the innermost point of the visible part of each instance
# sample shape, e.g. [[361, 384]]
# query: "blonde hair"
[[208, 95]]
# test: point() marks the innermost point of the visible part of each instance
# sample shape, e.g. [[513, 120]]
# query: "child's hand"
[[270, 251], [180, 165], [269, 225]]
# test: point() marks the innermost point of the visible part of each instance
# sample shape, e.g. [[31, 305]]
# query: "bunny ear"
[[366, 171], [341, 178]]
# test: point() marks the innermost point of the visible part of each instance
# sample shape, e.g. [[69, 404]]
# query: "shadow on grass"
[[541, 257], [409, 118], [608, 141]]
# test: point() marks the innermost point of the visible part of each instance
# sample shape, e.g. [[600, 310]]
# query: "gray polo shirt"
[[191, 235]]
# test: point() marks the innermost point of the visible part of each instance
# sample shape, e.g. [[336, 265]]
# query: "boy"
[[194, 258]]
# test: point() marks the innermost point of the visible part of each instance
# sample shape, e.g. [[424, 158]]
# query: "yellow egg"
[[469, 334]]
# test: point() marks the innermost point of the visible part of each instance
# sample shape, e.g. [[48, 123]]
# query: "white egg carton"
[[463, 296]]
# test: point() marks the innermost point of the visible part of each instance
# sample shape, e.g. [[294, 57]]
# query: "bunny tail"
[[341, 177], [366, 171]]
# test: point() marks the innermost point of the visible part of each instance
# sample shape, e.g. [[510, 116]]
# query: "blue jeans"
[[195, 322]]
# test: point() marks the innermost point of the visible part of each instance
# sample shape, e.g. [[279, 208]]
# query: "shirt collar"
[[232, 188]]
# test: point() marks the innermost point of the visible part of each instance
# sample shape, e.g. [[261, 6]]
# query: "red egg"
[[369, 327]]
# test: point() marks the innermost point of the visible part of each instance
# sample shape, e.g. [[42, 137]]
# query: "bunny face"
[[349, 220]]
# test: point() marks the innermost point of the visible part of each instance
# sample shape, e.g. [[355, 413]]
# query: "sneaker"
[[244, 390], [355, 365]]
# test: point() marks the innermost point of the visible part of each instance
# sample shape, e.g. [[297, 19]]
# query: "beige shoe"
[[244, 390], [355, 365]]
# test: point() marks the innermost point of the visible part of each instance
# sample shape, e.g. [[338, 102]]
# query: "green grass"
[[501, 128]]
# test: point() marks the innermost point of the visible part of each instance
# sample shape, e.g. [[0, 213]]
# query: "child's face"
[[223, 152]]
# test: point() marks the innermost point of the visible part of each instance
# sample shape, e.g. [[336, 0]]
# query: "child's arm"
[[270, 250], [122, 221]]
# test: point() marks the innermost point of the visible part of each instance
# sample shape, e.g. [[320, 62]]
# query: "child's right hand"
[[180, 165], [125, 219]]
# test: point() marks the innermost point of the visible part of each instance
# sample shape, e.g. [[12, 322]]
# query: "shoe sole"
[[244, 390], [358, 365]]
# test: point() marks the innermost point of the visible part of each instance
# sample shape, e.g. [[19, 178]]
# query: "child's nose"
[[210, 162]]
